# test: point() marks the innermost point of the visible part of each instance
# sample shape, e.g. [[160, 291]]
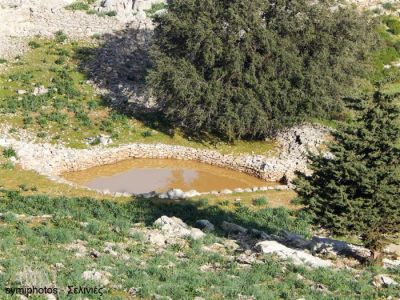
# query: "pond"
[[145, 175]]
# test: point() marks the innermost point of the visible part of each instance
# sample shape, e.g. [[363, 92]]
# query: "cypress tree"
[[246, 68], [356, 188]]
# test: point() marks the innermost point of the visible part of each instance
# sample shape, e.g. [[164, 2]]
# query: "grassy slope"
[[40, 243]]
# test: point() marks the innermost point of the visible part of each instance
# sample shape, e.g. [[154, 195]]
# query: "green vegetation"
[[155, 7], [260, 201], [9, 152], [222, 69], [85, 6], [38, 245], [355, 191]]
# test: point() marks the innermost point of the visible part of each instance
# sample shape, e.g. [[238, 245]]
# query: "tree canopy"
[[356, 189], [246, 68]]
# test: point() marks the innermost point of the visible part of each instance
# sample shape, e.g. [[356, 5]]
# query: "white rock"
[[175, 194], [94, 275], [156, 238], [383, 280], [226, 192], [296, 256], [175, 227], [391, 264], [41, 90]]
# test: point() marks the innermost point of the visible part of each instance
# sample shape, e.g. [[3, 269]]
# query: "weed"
[[60, 36], [260, 201], [34, 45], [147, 133], [8, 165], [9, 152]]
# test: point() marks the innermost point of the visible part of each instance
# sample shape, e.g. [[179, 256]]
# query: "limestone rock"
[[296, 256], [156, 238], [101, 277], [383, 280], [175, 227]]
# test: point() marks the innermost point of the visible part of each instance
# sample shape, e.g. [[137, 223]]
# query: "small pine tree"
[[356, 189]]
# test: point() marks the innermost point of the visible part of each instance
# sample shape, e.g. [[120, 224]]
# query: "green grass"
[[39, 244], [155, 8], [85, 6]]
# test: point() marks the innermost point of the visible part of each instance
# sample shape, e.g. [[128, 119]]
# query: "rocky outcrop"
[[297, 257], [20, 20]]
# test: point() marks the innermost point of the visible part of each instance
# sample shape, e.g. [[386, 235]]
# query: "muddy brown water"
[[160, 175]]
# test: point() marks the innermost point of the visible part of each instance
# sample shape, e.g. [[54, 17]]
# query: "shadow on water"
[[118, 67]]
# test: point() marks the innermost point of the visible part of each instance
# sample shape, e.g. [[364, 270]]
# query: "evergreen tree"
[[356, 189], [246, 68]]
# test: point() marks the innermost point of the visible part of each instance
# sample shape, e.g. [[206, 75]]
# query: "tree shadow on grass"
[[118, 67]]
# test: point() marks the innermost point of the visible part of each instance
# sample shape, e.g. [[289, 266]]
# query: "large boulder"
[[296, 256], [176, 228]]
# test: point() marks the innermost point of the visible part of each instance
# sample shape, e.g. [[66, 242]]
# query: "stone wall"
[[53, 160]]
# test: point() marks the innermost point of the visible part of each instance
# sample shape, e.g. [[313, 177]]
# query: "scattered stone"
[[133, 291], [78, 246], [246, 258], [21, 92], [383, 280], [101, 277], [296, 256], [205, 225], [41, 90], [226, 192]]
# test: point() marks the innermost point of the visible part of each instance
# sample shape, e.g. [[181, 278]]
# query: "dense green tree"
[[356, 189], [246, 68]]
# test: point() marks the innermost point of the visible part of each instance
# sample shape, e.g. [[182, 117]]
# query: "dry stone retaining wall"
[[53, 160]]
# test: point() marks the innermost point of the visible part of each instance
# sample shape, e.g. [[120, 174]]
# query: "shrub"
[[9, 152], [34, 45], [60, 36], [78, 5], [260, 201], [245, 69], [8, 165], [147, 133]]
